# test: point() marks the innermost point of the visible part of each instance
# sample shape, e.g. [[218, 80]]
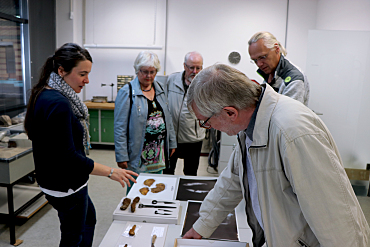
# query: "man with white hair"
[[282, 75], [189, 135], [286, 167]]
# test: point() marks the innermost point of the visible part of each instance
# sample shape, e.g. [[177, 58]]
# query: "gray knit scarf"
[[78, 107]]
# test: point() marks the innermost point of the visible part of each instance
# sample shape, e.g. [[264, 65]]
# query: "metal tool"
[[156, 212], [103, 84], [155, 202], [153, 239], [165, 210], [154, 206]]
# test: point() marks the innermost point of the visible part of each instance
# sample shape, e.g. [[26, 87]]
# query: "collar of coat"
[[258, 127]]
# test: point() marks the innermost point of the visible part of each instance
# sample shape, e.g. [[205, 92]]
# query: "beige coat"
[[304, 193]]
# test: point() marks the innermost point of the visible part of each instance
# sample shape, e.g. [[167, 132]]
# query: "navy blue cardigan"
[[57, 141]]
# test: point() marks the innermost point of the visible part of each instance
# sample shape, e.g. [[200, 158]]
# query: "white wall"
[[337, 65], [343, 15], [217, 27], [137, 25], [340, 89], [301, 18]]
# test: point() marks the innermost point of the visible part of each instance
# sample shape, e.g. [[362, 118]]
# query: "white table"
[[174, 231]]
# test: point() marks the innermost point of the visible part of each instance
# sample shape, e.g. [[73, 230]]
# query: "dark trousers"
[[190, 152], [77, 218]]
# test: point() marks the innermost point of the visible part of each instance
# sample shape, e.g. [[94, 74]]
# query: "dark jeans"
[[190, 152], [77, 218]]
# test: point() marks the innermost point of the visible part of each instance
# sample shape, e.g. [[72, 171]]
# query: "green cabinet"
[[101, 126], [94, 125], [107, 126]]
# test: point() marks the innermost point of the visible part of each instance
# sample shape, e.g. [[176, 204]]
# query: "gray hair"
[[269, 41], [192, 53], [146, 58], [220, 85]]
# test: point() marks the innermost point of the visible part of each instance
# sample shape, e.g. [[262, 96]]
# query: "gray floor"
[[42, 229]]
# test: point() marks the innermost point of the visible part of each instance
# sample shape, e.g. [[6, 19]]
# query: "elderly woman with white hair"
[[143, 131]]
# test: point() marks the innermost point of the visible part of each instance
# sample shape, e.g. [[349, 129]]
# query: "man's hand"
[[192, 234], [122, 165]]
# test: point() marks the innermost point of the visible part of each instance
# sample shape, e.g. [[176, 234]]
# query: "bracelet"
[[111, 172]]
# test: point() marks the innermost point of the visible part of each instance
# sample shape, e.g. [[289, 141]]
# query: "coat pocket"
[[302, 243]]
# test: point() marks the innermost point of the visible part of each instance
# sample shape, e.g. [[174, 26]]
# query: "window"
[[12, 54]]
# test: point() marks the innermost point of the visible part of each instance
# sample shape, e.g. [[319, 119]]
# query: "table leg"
[[11, 214]]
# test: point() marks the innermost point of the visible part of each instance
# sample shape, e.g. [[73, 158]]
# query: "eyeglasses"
[[261, 58], [197, 68], [204, 124], [146, 72]]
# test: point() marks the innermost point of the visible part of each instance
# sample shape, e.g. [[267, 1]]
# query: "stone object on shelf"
[[5, 120], [100, 99]]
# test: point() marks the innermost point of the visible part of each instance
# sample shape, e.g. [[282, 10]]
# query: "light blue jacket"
[[130, 151]]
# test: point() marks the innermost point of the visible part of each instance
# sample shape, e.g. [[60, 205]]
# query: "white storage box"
[[167, 194], [166, 214], [143, 235], [179, 242]]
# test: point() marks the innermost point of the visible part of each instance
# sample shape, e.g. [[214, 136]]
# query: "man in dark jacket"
[[283, 76]]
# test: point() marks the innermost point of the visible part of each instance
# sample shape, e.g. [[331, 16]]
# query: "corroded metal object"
[[133, 204], [126, 202], [159, 187], [132, 231]]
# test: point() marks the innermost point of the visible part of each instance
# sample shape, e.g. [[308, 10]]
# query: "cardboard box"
[[358, 174], [179, 242], [163, 215]]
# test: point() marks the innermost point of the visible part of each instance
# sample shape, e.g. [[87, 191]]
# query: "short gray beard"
[[190, 79]]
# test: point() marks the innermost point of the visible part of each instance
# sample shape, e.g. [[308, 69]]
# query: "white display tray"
[[167, 194], [148, 214], [179, 242], [143, 235]]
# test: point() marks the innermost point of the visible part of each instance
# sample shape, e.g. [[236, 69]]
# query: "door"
[[107, 126]]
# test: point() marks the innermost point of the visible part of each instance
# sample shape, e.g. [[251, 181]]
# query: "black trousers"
[[77, 218], [190, 152]]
